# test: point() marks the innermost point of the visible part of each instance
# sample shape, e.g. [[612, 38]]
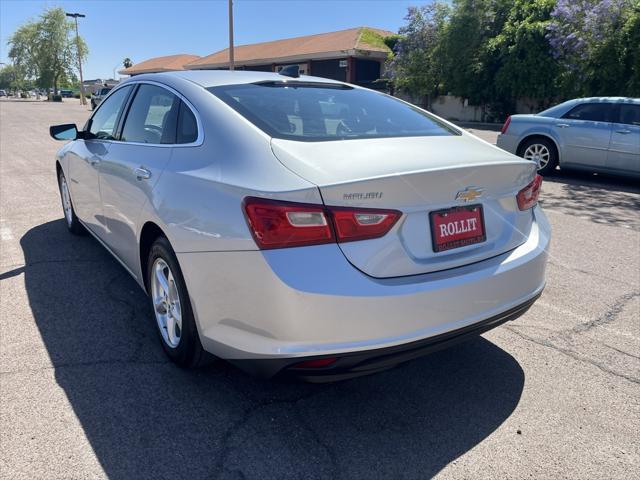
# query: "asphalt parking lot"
[[86, 391]]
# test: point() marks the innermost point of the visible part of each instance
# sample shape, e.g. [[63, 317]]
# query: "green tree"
[[127, 62], [46, 49], [596, 42], [8, 77], [613, 67], [413, 67], [469, 66], [525, 66]]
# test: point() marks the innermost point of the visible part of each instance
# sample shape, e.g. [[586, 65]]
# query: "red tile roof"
[[323, 45], [160, 64]]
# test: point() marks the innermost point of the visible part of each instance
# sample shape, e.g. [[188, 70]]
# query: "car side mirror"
[[68, 131]]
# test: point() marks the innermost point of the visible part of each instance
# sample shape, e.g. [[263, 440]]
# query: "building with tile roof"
[[355, 55], [167, 63]]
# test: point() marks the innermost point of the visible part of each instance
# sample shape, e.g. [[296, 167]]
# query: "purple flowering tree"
[[578, 33]]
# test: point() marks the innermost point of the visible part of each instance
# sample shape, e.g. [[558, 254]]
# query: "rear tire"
[[172, 307], [70, 218], [543, 152]]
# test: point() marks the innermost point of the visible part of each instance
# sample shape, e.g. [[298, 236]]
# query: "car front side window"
[[152, 117], [103, 123]]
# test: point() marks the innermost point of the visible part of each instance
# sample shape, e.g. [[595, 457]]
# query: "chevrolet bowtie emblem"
[[469, 194]]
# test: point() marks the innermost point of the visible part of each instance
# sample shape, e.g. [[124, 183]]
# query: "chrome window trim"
[[199, 139]]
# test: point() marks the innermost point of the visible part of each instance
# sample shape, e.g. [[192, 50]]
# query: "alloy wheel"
[[66, 201], [538, 153], [166, 303]]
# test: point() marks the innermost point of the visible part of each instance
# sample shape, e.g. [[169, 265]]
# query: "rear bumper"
[[355, 364], [507, 142], [294, 303]]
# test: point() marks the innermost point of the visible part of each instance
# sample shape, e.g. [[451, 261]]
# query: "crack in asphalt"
[[248, 413], [637, 357], [609, 316], [572, 354]]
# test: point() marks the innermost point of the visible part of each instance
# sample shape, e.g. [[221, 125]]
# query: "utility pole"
[[231, 65], [75, 16]]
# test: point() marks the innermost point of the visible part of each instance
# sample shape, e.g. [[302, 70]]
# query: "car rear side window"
[[630, 114], [103, 123], [314, 111], [152, 116], [595, 112], [187, 125]]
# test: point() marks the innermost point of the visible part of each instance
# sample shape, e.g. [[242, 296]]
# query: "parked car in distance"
[[98, 96], [3, 93], [300, 225], [593, 134], [66, 93]]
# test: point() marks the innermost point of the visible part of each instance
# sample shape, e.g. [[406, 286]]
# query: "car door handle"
[[624, 131], [94, 161], [142, 173], [562, 125]]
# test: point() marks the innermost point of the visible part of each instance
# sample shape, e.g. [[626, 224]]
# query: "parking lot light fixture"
[[75, 16]]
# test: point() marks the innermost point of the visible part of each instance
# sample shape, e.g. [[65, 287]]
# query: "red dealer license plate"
[[457, 227]]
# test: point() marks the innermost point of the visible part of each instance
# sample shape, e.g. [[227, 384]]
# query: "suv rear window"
[[310, 111]]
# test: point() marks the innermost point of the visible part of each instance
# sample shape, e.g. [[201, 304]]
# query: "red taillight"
[[360, 224], [276, 224], [528, 196], [316, 363], [506, 124], [285, 224]]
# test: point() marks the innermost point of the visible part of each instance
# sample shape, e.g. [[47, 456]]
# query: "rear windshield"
[[558, 110], [310, 111]]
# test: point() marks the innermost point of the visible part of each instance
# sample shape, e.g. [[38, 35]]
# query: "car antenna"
[[290, 71]]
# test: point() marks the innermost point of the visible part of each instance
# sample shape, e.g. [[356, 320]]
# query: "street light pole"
[[75, 16], [231, 63]]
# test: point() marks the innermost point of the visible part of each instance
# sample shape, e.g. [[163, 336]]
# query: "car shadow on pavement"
[[146, 418], [601, 199]]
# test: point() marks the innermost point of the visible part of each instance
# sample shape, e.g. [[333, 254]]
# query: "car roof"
[[607, 100], [214, 78]]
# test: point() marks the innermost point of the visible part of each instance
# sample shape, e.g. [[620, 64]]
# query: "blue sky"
[[148, 28]]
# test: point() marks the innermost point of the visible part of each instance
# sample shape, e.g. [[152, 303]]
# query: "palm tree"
[[127, 62]]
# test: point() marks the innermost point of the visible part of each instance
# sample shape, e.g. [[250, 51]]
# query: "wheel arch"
[[531, 136], [148, 234]]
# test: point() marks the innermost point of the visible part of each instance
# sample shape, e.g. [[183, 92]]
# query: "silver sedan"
[[302, 226], [593, 134]]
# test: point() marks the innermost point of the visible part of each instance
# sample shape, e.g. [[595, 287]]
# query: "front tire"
[[543, 152], [172, 307], [70, 218]]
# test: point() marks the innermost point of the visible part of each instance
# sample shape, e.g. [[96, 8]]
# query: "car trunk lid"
[[418, 176]]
